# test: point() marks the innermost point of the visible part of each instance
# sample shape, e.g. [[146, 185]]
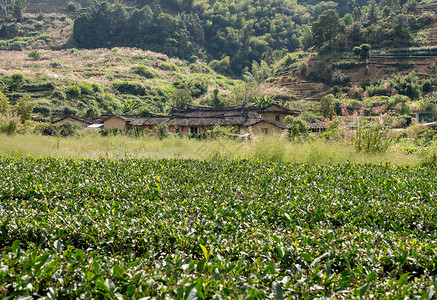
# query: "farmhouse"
[[84, 122], [196, 119]]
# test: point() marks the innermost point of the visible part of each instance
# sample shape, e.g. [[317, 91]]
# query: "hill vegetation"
[[118, 81], [247, 40]]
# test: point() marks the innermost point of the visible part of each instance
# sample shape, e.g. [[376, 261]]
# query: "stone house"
[[196, 119]]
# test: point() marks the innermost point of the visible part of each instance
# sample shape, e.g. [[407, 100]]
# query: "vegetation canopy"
[[174, 228]]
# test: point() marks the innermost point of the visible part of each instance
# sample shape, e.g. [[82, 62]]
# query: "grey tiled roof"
[[200, 116]]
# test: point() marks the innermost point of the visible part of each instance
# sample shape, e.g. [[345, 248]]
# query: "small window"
[[265, 131], [277, 118]]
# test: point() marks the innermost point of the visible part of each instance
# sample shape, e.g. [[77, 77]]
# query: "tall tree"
[[4, 6], [372, 15], [326, 29], [19, 6]]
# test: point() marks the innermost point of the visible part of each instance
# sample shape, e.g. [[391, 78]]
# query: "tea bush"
[[215, 229]]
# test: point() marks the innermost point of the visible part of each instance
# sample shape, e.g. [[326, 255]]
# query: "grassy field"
[[185, 229], [94, 146]]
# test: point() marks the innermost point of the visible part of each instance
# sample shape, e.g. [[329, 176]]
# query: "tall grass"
[[94, 146]]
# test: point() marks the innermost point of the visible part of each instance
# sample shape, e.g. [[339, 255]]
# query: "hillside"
[[103, 81], [352, 71], [198, 41]]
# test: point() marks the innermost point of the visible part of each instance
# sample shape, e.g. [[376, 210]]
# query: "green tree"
[[306, 40], [298, 126], [4, 6], [348, 19], [5, 106], [69, 128], [362, 51], [326, 106], [24, 107], [181, 98], [161, 130], [372, 15], [326, 30], [215, 100], [19, 6], [92, 112]]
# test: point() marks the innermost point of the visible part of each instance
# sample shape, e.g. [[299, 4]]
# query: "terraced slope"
[[432, 36], [58, 6], [300, 87]]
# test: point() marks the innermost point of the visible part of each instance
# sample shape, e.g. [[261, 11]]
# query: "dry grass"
[[94, 146], [97, 65]]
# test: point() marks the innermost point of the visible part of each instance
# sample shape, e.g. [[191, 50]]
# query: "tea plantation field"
[[124, 229]]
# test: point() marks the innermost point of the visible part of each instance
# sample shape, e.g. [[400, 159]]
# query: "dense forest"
[[231, 34]]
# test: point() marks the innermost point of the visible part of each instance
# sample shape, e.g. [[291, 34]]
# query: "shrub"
[[144, 72], [130, 87], [58, 94], [320, 72], [69, 111], [298, 126], [49, 131], [92, 112], [371, 138], [34, 55], [9, 123], [197, 87], [69, 128], [55, 64], [407, 120], [181, 98], [426, 86], [71, 6], [73, 91], [326, 106], [17, 77], [161, 131], [167, 66], [43, 109], [86, 88], [17, 46], [97, 88]]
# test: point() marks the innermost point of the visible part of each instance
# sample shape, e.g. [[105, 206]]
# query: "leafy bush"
[[166, 66], [130, 87], [9, 123], [55, 64], [426, 86], [298, 126], [196, 86], [72, 6], [34, 55], [17, 46], [49, 130], [17, 77], [221, 220], [320, 71], [371, 138], [161, 130], [86, 88], [69, 128], [73, 91], [145, 72]]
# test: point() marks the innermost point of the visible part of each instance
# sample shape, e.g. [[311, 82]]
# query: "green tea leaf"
[[15, 245]]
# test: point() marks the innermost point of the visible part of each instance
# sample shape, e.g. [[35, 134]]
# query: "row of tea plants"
[[186, 229]]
